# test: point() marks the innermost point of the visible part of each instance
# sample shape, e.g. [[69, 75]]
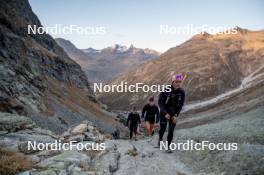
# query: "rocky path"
[[120, 156], [141, 157], [123, 157]]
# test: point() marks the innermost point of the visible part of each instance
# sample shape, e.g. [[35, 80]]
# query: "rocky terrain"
[[102, 65], [134, 157], [237, 118], [212, 64], [17, 130], [119, 157], [38, 79]]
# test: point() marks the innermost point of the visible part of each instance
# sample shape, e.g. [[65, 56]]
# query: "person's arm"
[[157, 115], [161, 102], [128, 119], [139, 121], [181, 103]]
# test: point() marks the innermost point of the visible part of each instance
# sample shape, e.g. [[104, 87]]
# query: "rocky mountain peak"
[[202, 35], [131, 46], [241, 30], [116, 48]]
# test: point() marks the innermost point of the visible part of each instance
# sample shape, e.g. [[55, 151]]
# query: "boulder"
[[44, 132], [64, 160], [79, 129], [18, 141], [25, 136], [91, 128], [107, 163], [24, 173], [77, 138], [7, 143], [22, 147], [3, 132], [89, 137], [43, 172], [13, 122], [33, 158], [48, 153]]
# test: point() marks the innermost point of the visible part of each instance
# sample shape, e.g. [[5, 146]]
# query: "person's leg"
[[162, 130], [148, 128], [152, 132], [138, 130], [135, 131], [170, 132], [131, 132], [151, 126]]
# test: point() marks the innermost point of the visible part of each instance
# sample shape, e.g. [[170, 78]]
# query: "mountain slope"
[[213, 64], [103, 65], [72, 51], [38, 79]]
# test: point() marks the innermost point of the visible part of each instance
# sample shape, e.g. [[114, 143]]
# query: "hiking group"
[[170, 105]]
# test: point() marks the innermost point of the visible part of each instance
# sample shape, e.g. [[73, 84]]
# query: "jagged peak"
[[132, 46], [202, 35], [241, 30], [117, 47], [235, 30]]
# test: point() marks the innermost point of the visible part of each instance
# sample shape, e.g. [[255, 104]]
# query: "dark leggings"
[[133, 129], [163, 126]]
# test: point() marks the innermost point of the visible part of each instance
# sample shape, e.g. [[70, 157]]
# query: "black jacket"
[[171, 102], [152, 113], [133, 119]]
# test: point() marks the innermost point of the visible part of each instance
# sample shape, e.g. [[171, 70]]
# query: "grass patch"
[[12, 162]]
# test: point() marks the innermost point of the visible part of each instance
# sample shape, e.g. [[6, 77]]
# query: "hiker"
[[151, 117], [170, 104], [133, 121], [116, 133]]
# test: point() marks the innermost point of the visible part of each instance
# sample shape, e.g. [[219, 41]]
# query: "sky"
[[143, 22]]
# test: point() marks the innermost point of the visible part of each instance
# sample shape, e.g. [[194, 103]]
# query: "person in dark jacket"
[[171, 104], [150, 113], [133, 121]]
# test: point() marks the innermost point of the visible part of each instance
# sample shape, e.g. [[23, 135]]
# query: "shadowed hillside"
[[36, 75]]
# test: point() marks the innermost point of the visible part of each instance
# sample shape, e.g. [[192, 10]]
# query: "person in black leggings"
[[133, 121], [170, 104], [150, 113]]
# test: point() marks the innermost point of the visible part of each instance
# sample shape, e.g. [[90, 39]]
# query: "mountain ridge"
[[102, 65], [200, 59]]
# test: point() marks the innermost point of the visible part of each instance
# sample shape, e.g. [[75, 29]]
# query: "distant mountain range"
[[103, 65], [213, 65]]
